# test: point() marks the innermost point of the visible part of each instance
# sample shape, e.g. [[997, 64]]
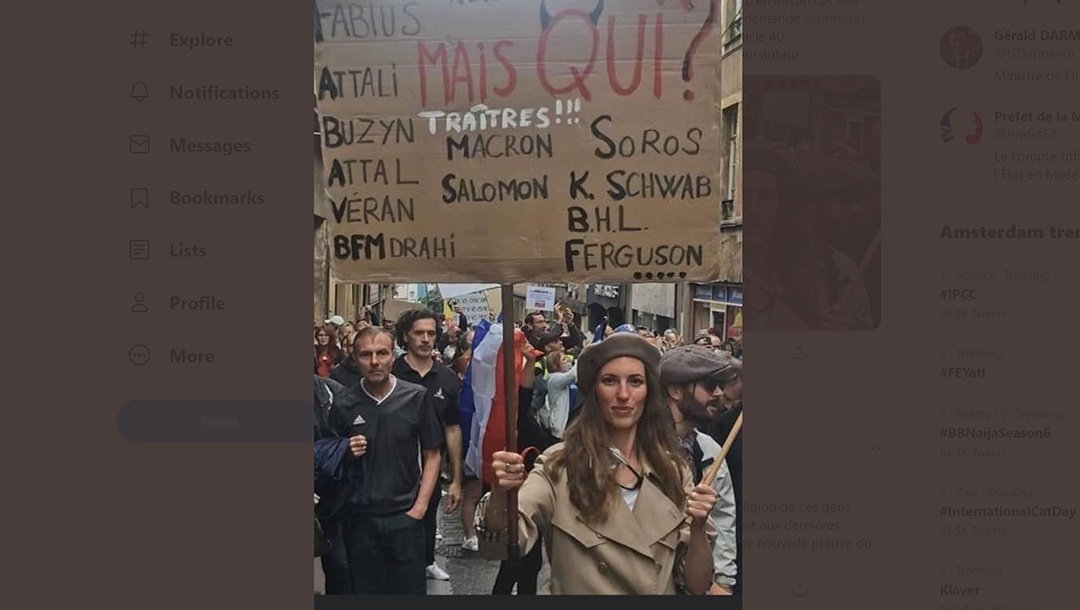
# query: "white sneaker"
[[434, 572], [471, 544]]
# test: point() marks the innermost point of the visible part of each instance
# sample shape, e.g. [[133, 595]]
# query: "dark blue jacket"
[[334, 478]]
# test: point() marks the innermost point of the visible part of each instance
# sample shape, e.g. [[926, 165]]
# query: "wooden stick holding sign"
[[715, 468], [510, 399]]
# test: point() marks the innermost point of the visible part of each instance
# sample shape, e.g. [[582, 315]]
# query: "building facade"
[[653, 306], [607, 300], [718, 305]]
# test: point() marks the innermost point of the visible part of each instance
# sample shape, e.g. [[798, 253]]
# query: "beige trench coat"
[[637, 552]]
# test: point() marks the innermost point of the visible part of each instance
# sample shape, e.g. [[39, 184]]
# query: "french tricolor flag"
[[482, 400]]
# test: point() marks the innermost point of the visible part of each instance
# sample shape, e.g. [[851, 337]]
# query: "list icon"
[[140, 196], [139, 249]]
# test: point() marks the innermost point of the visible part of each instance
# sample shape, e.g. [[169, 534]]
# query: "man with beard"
[[732, 390], [693, 379], [720, 425], [537, 330], [535, 325], [418, 333]]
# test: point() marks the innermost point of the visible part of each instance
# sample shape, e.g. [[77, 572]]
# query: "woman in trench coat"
[[615, 503]]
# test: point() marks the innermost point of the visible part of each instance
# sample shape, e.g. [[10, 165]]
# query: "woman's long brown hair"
[[587, 461]]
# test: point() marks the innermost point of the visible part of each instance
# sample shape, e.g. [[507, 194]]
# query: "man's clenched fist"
[[358, 445]]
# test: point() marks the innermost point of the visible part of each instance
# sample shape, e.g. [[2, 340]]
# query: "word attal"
[[368, 171]]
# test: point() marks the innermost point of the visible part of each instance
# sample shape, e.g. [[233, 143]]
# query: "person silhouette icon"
[[139, 306]]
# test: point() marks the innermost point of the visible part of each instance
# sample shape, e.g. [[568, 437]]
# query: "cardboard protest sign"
[[521, 140], [494, 299], [393, 308], [541, 298], [450, 291], [475, 306]]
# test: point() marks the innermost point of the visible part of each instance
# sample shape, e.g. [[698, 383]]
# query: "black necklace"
[[623, 462]]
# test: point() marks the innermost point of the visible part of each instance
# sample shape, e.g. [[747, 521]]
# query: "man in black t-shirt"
[[418, 333], [394, 439]]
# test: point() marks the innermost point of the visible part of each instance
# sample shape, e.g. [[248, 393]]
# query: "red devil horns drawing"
[[545, 16]]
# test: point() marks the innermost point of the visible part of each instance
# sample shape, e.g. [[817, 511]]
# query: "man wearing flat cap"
[[693, 379]]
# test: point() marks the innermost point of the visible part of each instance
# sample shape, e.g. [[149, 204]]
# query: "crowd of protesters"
[[616, 429]]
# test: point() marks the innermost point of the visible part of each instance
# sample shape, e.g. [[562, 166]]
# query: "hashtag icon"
[[138, 39], [944, 511], [944, 372], [944, 294], [944, 432]]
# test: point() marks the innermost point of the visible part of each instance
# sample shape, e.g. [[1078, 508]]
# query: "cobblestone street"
[[469, 575]]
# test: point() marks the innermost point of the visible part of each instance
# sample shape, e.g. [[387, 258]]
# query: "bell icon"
[[139, 92]]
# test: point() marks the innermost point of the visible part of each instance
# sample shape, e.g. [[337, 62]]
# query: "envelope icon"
[[139, 145]]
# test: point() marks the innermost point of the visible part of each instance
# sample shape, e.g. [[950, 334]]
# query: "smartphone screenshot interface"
[[556, 245]]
